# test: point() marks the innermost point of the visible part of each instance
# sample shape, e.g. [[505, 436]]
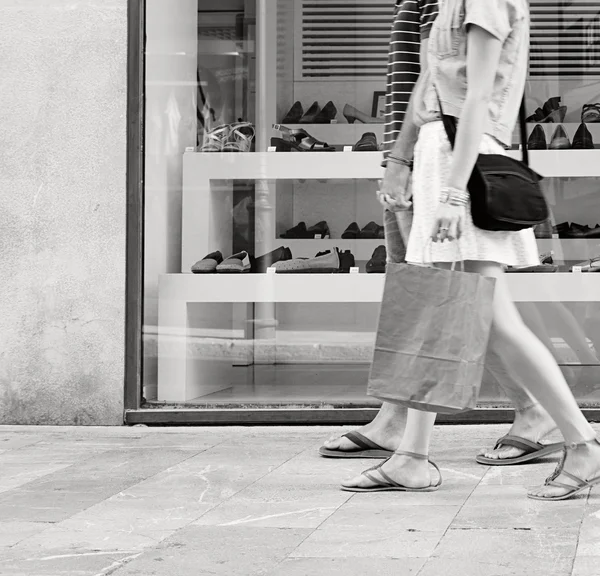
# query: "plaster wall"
[[62, 211]]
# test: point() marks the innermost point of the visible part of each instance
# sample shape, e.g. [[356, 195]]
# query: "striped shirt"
[[413, 20]]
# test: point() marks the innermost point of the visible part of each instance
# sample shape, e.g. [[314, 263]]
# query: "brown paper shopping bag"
[[432, 338]]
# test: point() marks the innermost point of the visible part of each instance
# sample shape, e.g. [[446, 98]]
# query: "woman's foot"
[[385, 430], [582, 462], [533, 424], [405, 470]]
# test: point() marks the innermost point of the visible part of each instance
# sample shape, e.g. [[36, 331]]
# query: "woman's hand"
[[394, 190], [448, 223]]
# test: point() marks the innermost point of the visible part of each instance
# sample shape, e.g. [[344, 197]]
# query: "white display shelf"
[[244, 288], [345, 165]]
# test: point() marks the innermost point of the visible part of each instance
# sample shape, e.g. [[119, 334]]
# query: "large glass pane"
[[265, 256]]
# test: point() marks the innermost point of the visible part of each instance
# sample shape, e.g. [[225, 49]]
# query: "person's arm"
[[483, 58], [405, 143]]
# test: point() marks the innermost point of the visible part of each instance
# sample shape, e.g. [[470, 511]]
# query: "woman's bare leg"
[[544, 379]]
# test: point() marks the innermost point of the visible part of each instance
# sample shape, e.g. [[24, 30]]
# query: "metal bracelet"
[[399, 160], [455, 196]]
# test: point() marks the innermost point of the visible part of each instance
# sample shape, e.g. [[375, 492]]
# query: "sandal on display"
[[365, 448], [572, 490], [386, 484], [241, 137], [590, 113], [533, 451], [214, 140], [299, 140], [551, 111], [352, 115]]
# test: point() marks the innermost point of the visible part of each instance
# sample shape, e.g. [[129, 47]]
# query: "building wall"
[[62, 210]]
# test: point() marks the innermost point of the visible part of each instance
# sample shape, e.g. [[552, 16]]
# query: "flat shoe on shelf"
[[533, 451], [208, 264], [370, 231], [377, 263], [235, 264], [298, 232], [365, 448], [352, 232], [319, 230], [267, 260], [367, 143], [324, 263]]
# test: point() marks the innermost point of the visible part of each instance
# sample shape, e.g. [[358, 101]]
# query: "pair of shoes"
[[592, 265], [327, 262], [551, 111], [298, 140], [367, 143], [386, 484], [314, 115], [352, 114], [371, 231], [265, 261], [590, 113], [546, 265], [238, 137], [560, 141], [301, 232], [378, 261], [572, 490], [579, 231], [213, 262]]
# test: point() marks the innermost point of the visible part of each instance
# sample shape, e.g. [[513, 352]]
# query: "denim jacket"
[[508, 21]]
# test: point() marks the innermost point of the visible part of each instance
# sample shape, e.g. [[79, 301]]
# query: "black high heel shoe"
[[311, 114], [326, 115], [295, 113]]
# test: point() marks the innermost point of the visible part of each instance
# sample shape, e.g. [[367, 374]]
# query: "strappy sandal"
[[590, 113], [389, 485], [533, 451], [365, 448], [572, 490], [216, 139], [241, 137], [299, 140]]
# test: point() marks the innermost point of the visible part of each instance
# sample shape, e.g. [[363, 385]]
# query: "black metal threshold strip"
[[306, 417]]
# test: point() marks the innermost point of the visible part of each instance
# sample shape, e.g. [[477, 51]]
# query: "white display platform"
[[181, 379]]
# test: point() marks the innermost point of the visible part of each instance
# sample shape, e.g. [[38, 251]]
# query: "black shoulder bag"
[[505, 193]]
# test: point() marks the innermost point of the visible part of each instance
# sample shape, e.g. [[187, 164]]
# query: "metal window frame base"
[[306, 417]]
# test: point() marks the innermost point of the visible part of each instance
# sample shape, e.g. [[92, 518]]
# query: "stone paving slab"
[[260, 501]]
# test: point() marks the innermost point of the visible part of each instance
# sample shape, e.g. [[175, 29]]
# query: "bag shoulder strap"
[[450, 127]]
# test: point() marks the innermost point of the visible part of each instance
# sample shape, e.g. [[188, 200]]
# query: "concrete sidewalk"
[[248, 501]]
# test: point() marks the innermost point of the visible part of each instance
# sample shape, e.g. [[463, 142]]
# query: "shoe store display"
[[280, 254], [319, 231], [298, 140], [537, 139], [327, 114], [310, 115], [551, 111], [352, 115], [580, 231], [583, 139], [323, 263], [367, 143], [237, 137], [592, 265], [545, 266], [371, 231], [347, 261], [590, 113], [208, 264], [561, 229], [377, 263], [352, 232], [235, 264], [295, 113], [298, 232], [560, 140]]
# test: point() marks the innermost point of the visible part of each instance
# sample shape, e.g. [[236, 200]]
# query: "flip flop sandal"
[[533, 451], [365, 448], [389, 485], [573, 490], [590, 113]]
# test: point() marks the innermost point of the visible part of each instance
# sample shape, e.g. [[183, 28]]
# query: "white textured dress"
[[433, 155]]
